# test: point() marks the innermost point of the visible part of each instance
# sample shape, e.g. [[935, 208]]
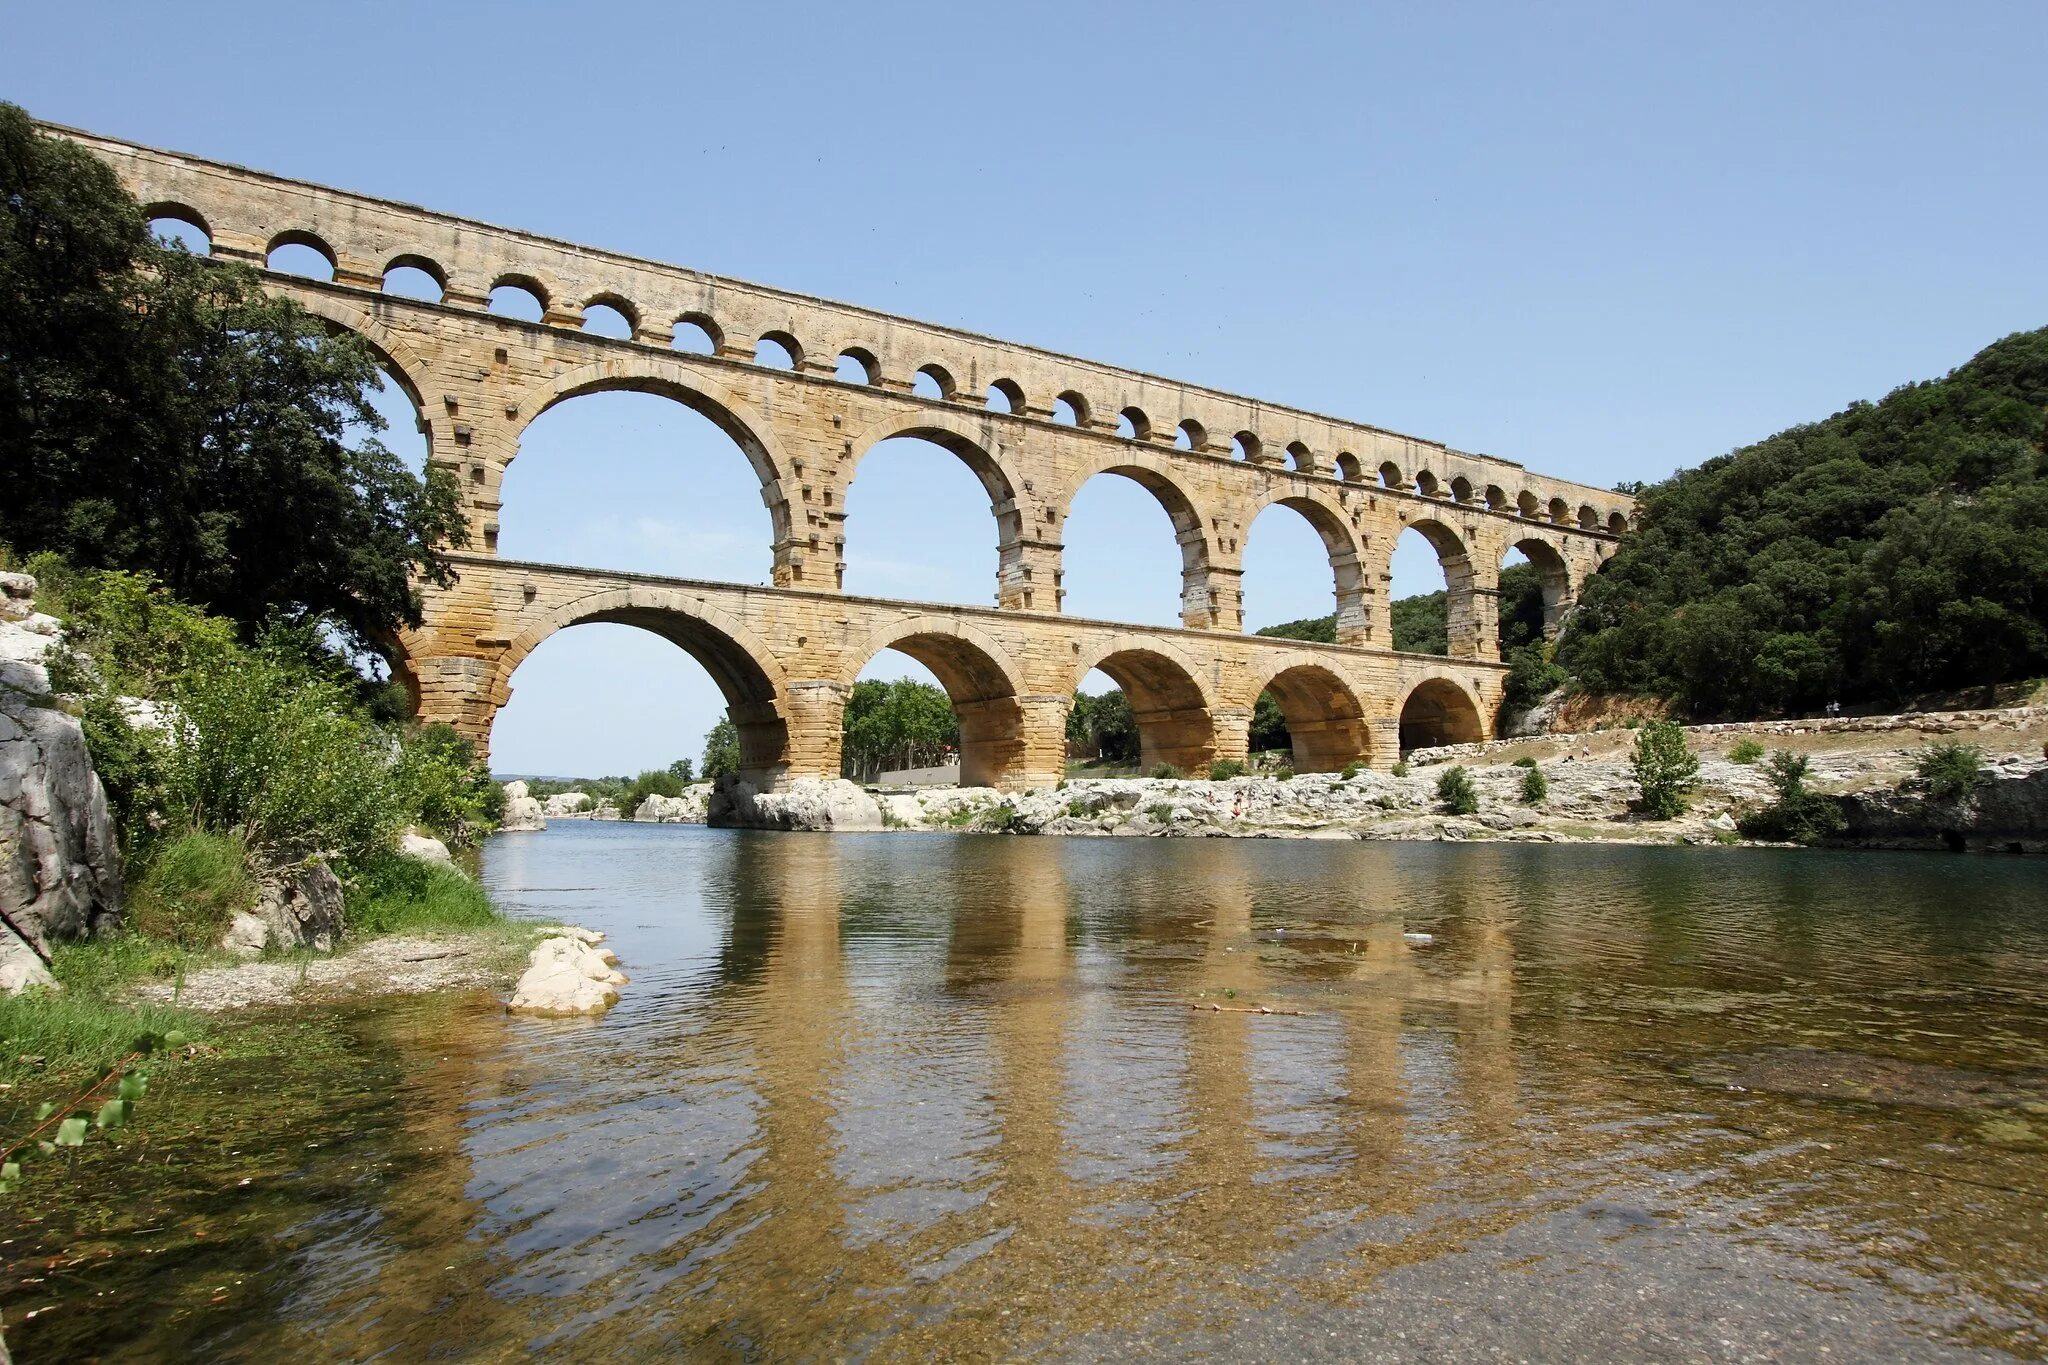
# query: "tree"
[[900, 724], [1796, 815], [721, 750], [160, 413], [683, 771], [1105, 724], [1664, 769], [1455, 790]]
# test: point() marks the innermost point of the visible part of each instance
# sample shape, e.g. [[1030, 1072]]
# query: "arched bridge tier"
[[805, 387], [786, 659]]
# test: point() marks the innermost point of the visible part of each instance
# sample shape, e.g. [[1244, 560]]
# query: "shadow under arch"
[[980, 680], [1173, 710], [739, 662], [1340, 547], [1439, 711], [1196, 610], [1325, 722], [973, 443]]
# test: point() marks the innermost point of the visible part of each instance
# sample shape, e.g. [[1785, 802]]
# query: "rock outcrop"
[[2008, 812], [60, 864], [690, 808], [568, 974], [522, 812], [808, 803], [567, 803], [425, 847]]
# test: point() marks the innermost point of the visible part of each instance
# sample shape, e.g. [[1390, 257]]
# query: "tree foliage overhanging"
[[1895, 548], [160, 413]]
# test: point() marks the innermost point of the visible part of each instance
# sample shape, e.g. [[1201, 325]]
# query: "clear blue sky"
[[1605, 240]]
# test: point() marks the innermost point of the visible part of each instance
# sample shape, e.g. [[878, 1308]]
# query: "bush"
[[1454, 789], [393, 893], [1796, 816], [1400, 769], [1284, 773], [191, 889], [1165, 770], [1223, 769], [654, 782], [1535, 787], [1351, 770], [1664, 769], [1949, 771], [1525, 763], [448, 790], [1160, 812], [1746, 752]]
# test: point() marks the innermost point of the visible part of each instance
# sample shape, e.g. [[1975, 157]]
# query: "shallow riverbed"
[[907, 1095]]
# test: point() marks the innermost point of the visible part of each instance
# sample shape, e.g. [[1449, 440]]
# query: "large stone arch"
[[1350, 584], [1326, 722], [745, 669], [1171, 701], [983, 682], [1190, 519], [1440, 710], [1555, 570]]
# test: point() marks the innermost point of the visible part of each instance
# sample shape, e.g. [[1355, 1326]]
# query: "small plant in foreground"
[[1535, 787], [1223, 769], [1949, 771], [1664, 769], [1351, 770], [1160, 812], [1745, 752], [1165, 771], [1401, 769], [1454, 789], [109, 1102], [1284, 773], [1525, 762], [1796, 816]]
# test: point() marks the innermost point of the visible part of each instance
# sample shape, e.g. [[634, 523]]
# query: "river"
[[903, 1096]]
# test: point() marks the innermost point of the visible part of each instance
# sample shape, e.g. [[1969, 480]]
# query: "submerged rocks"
[[60, 863], [567, 975], [522, 812], [808, 803]]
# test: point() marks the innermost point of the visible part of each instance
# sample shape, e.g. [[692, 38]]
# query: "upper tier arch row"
[[246, 214]]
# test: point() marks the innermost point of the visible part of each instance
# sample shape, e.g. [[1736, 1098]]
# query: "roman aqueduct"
[[806, 387]]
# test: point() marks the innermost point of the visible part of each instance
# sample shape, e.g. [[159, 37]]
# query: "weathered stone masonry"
[[786, 656]]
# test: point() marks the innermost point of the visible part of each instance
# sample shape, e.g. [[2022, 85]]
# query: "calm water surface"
[[903, 1095]]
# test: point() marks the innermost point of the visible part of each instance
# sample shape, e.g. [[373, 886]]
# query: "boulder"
[[21, 966], [687, 809], [808, 803], [522, 812], [565, 977], [17, 596], [60, 864], [424, 847], [566, 803], [247, 936], [300, 907]]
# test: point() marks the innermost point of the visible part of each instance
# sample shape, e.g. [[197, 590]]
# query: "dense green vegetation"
[[1894, 549], [1795, 814], [896, 725], [1665, 769]]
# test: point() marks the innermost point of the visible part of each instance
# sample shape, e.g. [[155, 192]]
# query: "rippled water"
[[907, 1095]]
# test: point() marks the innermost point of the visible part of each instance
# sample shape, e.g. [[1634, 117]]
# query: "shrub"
[[1535, 787], [448, 790], [1223, 769], [1745, 752], [1160, 812], [1284, 773], [1400, 769], [1949, 771], [191, 889], [1351, 770], [1525, 762], [1165, 770], [1454, 789], [654, 782], [1664, 769], [393, 893], [1797, 815]]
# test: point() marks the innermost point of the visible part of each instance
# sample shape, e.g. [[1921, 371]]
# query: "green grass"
[[48, 1035], [395, 895], [191, 888]]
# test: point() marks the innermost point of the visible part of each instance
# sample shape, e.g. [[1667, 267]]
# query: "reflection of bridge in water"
[[805, 387]]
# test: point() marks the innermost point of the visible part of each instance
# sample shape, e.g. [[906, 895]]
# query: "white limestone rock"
[[21, 966], [565, 977], [247, 935], [808, 803], [522, 813], [689, 808], [566, 803], [425, 847], [301, 906]]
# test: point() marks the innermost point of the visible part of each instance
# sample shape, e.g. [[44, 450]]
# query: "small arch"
[[1348, 468], [1133, 425], [519, 296], [1589, 519], [1461, 489], [1390, 475], [1560, 512], [1426, 484], [1438, 711], [1527, 505], [1617, 523], [1244, 446], [1326, 728], [180, 225], [1301, 457], [608, 315], [857, 365], [978, 677], [1496, 498], [1176, 725], [778, 351], [934, 381], [696, 334], [1005, 395], [1190, 435], [296, 252], [415, 277], [1070, 409]]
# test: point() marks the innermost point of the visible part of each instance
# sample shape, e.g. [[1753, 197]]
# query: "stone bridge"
[[805, 387]]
